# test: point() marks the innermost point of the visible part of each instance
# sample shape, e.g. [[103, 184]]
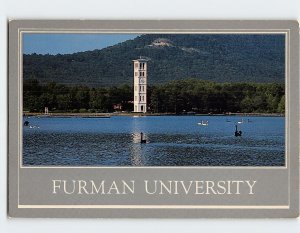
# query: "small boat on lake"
[[33, 127], [203, 123]]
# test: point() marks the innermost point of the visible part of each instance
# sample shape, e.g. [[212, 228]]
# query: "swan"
[[241, 122]]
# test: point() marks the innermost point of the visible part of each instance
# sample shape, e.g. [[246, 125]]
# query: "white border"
[[95, 9]]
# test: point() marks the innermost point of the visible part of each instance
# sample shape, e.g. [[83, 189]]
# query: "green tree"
[[281, 105]]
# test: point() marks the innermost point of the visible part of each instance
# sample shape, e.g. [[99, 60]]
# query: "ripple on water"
[[176, 142]]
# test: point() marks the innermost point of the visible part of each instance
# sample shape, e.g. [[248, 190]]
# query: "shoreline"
[[108, 115]]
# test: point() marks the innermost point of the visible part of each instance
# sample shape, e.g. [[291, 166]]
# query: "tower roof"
[[142, 59]]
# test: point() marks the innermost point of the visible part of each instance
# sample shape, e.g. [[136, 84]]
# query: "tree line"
[[178, 96]]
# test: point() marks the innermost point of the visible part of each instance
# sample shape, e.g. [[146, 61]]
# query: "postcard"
[[153, 119]]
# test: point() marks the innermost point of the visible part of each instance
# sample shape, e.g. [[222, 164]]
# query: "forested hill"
[[220, 58]]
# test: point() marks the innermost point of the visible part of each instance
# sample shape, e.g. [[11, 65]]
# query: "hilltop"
[[220, 58]]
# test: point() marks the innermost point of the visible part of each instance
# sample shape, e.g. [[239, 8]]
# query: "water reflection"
[[171, 141], [136, 150], [138, 134]]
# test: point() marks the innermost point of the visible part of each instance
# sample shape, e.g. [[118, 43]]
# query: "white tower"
[[140, 85]]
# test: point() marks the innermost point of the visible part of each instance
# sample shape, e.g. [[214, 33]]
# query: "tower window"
[[140, 98], [136, 65], [140, 88]]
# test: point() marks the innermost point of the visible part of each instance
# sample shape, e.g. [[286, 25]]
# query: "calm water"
[[171, 141]]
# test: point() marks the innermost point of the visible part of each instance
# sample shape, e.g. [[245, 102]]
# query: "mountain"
[[215, 57]]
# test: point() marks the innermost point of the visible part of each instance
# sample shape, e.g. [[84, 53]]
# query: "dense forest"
[[256, 58], [177, 96]]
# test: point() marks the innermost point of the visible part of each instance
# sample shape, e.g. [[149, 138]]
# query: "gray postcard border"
[[292, 132]]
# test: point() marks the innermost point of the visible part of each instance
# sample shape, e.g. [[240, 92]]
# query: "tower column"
[[140, 85]]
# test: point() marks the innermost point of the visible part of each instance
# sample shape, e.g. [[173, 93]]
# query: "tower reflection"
[[136, 150]]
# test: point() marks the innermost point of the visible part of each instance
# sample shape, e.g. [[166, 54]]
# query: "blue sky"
[[55, 43]]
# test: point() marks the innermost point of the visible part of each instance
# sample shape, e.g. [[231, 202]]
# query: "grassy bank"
[[107, 115]]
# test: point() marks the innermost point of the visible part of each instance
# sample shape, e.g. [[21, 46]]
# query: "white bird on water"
[[241, 122]]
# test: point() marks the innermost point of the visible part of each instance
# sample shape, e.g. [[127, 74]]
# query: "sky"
[[55, 43]]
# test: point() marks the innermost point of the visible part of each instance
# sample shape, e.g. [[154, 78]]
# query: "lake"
[[171, 141]]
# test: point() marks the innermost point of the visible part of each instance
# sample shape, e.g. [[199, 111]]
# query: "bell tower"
[[140, 85]]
